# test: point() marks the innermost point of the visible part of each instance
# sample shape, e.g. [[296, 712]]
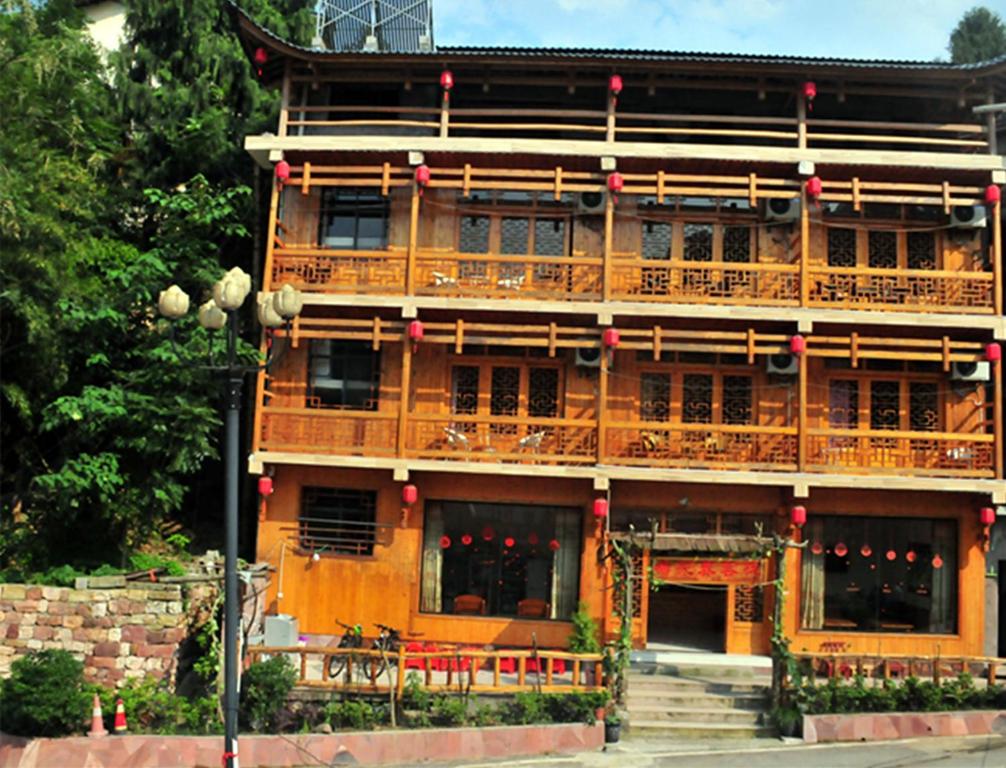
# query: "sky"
[[872, 29]]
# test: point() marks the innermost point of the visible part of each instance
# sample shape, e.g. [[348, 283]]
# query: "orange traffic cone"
[[97, 721], [120, 717]]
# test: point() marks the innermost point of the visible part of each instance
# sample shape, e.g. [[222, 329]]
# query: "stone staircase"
[[694, 700]]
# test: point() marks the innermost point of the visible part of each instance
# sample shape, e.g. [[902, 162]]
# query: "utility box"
[[281, 631]]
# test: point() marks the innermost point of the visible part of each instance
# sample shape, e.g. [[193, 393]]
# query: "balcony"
[[907, 290]]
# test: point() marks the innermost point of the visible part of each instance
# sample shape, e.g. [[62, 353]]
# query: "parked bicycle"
[[387, 641], [352, 637]]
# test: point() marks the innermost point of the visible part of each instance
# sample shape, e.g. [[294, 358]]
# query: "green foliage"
[[143, 561], [45, 695], [152, 708], [980, 35], [913, 695], [585, 635], [449, 711], [355, 715], [265, 686]]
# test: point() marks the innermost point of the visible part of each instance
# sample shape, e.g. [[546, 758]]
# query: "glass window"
[[841, 247], [543, 393], [344, 374], [697, 403], [655, 396], [514, 236], [843, 404], [353, 219], [737, 400], [923, 410], [883, 248], [656, 240], [338, 520], [549, 237], [864, 574], [921, 250], [698, 242], [500, 560], [474, 237], [885, 405]]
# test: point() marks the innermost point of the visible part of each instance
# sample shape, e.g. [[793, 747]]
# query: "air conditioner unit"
[[978, 371], [590, 202], [782, 364], [782, 209], [588, 357], [968, 217]]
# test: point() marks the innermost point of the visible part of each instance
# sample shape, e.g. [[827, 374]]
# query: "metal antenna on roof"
[[395, 26]]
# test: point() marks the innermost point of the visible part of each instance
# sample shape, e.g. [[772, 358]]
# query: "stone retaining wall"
[[881, 726], [118, 633]]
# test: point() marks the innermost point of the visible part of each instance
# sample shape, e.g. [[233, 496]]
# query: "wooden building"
[[706, 289]]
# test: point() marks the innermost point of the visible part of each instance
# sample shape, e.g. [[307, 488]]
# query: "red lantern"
[[466, 539], [446, 80], [508, 542], [416, 330], [992, 194], [891, 555], [615, 182], [265, 486], [841, 550], [532, 539], [445, 542], [866, 550], [937, 562], [798, 516], [422, 177], [810, 93], [797, 344], [813, 186], [600, 509], [910, 556], [611, 337], [488, 533], [282, 171], [993, 352], [817, 548], [409, 494], [554, 545], [261, 56], [988, 515], [615, 84]]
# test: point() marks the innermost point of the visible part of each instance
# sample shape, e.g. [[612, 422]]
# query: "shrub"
[[576, 707], [585, 636], [152, 708], [264, 690], [448, 711], [357, 715], [526, 709], [45, 696], [913, 695]]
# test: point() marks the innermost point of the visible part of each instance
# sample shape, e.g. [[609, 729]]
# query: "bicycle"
[[387, 641], [351, 638]]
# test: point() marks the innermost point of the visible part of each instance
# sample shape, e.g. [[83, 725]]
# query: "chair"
[[532, 442], [440, 280], [471, 605], [456, 439], [533, 607]]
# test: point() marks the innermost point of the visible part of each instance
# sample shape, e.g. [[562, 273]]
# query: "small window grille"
[[338, 520], [841, 247]]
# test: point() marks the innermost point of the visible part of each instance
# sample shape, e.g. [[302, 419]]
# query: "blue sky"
[[888, 29]]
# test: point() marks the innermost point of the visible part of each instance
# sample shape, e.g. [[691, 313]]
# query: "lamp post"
[[221, 313]]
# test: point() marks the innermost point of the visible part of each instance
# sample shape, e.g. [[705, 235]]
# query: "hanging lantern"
[[611, 337], [445, 542], [866, 550], [798, 516], [813, 187], [615, 85], [261, 56], [910, 556], [466, 539], [841, 550], [987, 515], [532, 539], [422, 177], [993, 352], [508, 542], [615, 184], [446, 80], [265, 486], [891, 555], [409, 494], [810, 93], [992, 194], [817, 548], [797, 344], [282, 171], [488, 534], [600, 509], [937, 562], [554, 545]]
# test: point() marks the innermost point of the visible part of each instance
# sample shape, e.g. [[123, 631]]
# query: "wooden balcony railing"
[[336, 271], [910, 290], [707, 446], [320, 430], [936, 454], [705, 282], [518, 439]]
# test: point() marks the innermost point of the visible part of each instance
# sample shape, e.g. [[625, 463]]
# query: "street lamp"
[[221, 313]]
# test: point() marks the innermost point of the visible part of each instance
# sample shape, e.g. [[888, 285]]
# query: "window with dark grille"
[[338, 520], [737, 244], [698, 242], [749, 603], [655, 396], [344, 374], [465, 389], [353, 219], [843, 404], [474, 235], [504, 397], [697, 402], [737, 400], [543, 393], [656, 240], [883, 248], [921, 250], [549, 237], [923, 406], [841, 247], [514, 236], [885, 405]]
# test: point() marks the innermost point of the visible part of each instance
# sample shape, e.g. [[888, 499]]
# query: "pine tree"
[[979, 36]]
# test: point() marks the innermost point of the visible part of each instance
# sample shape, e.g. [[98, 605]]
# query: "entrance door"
[[685, 617]]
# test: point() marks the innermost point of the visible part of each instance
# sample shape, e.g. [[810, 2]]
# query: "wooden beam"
[[385, 179], [946, 197], [376, 343], [801, 437], [753, 190], [609, 224], [466, 181], [656, 343], [557, 195], [284, 101], [403, 405], [854, 349], [552, 332], [857, 203], [997, 415], [660, 187], [410, 262], [946, 354], [602, 404], [997, 256], [445, 114], [751, 346], [305, 180], [459, 336], [804, 245], [801, 122]]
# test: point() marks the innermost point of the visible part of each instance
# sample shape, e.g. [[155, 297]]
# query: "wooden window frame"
[[864, 404], [485, 366], [496, 210], [677, 373]]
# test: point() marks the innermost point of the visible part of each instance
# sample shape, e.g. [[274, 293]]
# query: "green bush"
[[585, 637], [526, 709], [577, 707], [265, 687], [913, 695], [45, 695], [356, 715], [152, 708], [448, 711]]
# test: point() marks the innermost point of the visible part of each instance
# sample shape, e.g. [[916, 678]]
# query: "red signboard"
[[710, 571]]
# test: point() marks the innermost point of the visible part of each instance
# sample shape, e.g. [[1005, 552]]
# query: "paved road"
[[970, 752]]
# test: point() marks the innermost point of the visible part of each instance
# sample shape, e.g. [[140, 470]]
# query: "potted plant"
[[788, 720], [584, 638], [612, 728]]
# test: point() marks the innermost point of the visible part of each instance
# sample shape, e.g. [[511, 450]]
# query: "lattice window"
[[505, 396], [338, 520], [737, 244], [698, 242], [353, 219], [749, 603], [543, 393], [514, 236], [841, 247], [737, 400], [924, 406], [656, 240], [465, 394], [883, 248], [921, 250], [885, 404], [843, 404], [697, 403], [474, 235], [655, 396], [638, 577], [549, 237]]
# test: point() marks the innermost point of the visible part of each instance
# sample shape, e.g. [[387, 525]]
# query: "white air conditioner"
[[782, 209], [782, 364], [968, 217], [588, 357], [970, 371], [590, 202]]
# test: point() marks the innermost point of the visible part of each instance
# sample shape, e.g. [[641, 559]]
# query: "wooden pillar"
[[801, 122], [410, 263], [445, 114], [990, 123], [609, 126], [284, 104], [609, 224], [997, 256], [804, 246], [997, 415], [801, 437], [602, 405], [403, 404]]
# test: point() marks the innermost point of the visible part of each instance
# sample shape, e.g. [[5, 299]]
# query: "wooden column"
[[271, 227], [804, 246], [801, 122], [410, 263], [602, 405], [609, 224], [990, 129], [609, 126], [997, 256], [445, 114], [284, 104], [403, 404], [801, 437], [997, 415]]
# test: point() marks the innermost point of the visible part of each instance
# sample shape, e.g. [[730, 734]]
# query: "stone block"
[[175, 606], [25, 606], [99, 609], [63, 634], [12, 631], [43, 633], [33, 593], [133, 673], [53, 593], [24, 632], [136, 594], [35, 645], [73, 621], [78, 596], [100, 662], [149, 664], [13, 591], [157, 607], [106, 649], [114, 634], [27, 619], [83, 609], [43, 606], [134, 633], [134, 662], [106, 582]]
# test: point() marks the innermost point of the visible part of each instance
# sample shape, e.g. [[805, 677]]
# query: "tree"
[[979, 36]]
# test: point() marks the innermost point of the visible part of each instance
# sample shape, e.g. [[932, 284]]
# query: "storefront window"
[[500, 560], [863, 574]]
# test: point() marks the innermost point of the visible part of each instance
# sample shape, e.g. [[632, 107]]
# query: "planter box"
[[399, 747], [881, 726]]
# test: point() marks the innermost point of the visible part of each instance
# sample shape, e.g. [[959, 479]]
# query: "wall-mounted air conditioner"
[[588, 357], [590, 202], [968, 217], [782, 364], [978, 371], [782, 209]]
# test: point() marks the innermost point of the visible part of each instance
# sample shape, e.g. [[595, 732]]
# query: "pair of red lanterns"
[[798, 516]]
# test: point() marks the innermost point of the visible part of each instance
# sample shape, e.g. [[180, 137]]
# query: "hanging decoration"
[[508, 542], [615, 185], [554, 545], [260, 58], [282, 171], [416, 333], [532, 539], [937, 562], [422, 177], [466, 539], [910, 556], [866, 550], [614, 88], [797, 344], [445, 542], [265, 486], [488, 534], [817, 548], [992, 194], [798, 516], [446, 80], [993, 352], [841, 550], [810, 93], [891, 555], [814, 189], [600, 509]]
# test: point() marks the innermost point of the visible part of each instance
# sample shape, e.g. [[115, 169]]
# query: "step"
[[687, 669], [677, 700], [695, 715], [644, 729], [649, 683]]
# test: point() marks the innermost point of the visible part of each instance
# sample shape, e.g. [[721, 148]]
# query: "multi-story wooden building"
[[704, 288]]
